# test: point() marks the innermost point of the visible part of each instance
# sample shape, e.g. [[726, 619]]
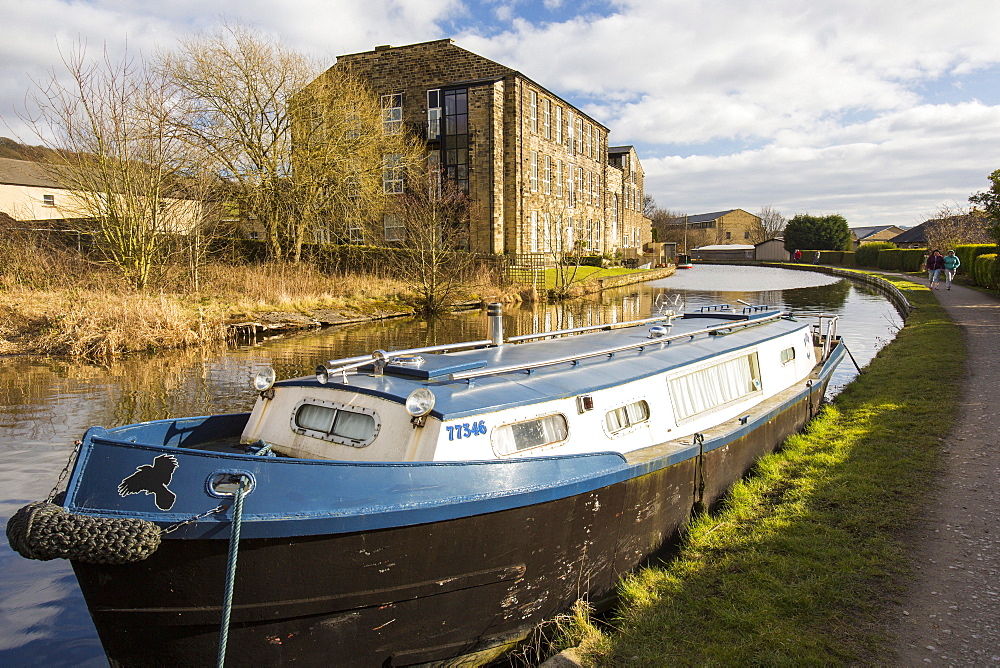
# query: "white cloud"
[[807, 106]]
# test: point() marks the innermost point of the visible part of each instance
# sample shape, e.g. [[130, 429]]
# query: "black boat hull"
[[412, 594]]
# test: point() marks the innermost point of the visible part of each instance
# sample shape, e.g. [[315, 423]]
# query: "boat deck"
[[538, 378]]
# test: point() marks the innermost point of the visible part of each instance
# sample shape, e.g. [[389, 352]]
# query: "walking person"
[[950, 263], [935, 263]]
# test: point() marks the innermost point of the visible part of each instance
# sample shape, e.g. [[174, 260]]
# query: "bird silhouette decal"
[[153, 479]]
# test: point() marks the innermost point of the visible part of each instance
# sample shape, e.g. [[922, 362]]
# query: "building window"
[[746, 234], [578, 147], [533, 224], [570, 186], [534, 171], [559, 178], [547, 176], [729, 235], [533, 111], [355, 234], [559, 125], [49, 200], [614, 217], [455, 140], [546, 232], [570, 144], [595, 144], [392, 114], [393, 228], [393, 173], [547, 119], [433, 114]]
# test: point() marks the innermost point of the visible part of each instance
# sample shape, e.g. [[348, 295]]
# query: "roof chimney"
[[384, 47]]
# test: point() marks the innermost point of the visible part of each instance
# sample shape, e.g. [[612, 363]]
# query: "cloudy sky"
[[880, 110]]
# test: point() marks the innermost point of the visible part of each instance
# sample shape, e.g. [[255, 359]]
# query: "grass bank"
[[800, 563]]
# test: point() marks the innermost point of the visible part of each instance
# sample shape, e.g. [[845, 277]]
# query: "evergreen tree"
[[805, 232]]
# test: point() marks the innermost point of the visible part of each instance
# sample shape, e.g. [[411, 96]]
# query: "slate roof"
[[914, 235], [25, 173]]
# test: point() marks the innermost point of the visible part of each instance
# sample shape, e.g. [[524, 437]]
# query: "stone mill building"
[[538, 169]]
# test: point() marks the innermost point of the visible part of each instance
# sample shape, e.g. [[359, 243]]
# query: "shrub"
[[986, 271], [848, 259], [867, 254], [967, 254], [888, 258]]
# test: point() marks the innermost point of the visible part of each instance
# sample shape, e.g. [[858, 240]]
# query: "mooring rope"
[[234, 546]]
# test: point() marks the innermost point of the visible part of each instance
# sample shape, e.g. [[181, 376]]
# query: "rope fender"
[[43, 530]]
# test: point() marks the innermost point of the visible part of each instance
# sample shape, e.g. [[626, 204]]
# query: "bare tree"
[[302, 154], [117, 158], [772, 224], [953, 225], [430, 224]]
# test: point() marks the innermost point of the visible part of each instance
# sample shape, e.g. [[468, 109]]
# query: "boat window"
[[624, 417], [330, 421], [787, 355], [510, 438], [713, 387]]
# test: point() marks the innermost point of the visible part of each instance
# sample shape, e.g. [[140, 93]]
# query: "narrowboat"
[[418, 505]]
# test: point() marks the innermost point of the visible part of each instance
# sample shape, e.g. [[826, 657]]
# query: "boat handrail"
[[607, 352], [348, 363], [590, 328], [360, 360], [831, 332]]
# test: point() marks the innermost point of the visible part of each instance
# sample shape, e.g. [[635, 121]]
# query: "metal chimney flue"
[[495, 313]]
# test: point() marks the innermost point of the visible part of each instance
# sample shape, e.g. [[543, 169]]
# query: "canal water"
[[46, 405]]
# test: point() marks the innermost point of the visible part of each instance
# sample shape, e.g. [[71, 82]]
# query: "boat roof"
[[543, 381]]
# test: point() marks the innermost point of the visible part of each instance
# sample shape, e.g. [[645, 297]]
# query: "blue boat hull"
[[388, 564]]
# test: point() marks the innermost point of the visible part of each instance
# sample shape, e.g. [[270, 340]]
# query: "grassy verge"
[[800, 562], [583, 274]]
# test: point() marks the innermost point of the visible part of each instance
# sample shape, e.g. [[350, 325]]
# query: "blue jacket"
[[951, 262]]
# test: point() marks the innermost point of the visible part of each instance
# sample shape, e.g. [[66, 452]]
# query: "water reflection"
[[46, 405]]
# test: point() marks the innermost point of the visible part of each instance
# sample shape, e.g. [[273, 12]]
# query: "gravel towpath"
[[950, 615]]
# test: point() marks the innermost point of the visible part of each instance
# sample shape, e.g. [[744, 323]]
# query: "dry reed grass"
[[54, 301]]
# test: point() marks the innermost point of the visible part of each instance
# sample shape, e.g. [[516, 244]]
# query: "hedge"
[[831, 257], [867, 254], [888, 258], [986, 271], [848, 259], [967, 254], [911, 259]]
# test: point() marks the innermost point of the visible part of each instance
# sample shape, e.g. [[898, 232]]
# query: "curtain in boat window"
[[355, 426], [510, 438], [706, 389], [317, 418], [626, 416]]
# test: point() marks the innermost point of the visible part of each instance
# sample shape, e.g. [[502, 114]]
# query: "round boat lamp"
[[263, 379], [420, 402], [322, 375]]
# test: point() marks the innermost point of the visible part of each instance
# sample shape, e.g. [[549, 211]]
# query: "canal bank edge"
[[273, 323]]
